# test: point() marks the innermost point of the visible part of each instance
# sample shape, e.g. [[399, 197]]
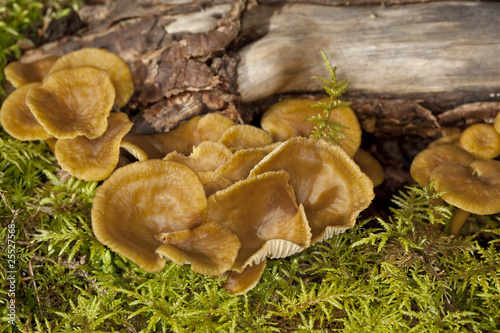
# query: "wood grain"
[[417, 49]]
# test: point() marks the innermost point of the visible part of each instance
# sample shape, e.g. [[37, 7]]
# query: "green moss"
[[400, 274]]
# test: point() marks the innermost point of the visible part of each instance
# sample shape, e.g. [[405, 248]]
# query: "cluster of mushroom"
[[462, 166], [68, 101], [224, 198]]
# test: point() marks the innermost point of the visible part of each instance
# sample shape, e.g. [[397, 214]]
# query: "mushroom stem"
[[457, 221]]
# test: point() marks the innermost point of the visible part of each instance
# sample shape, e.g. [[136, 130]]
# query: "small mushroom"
[[213, 182], [73, 102], [93, 160], [191, 133], [209, 248], [449, 136], [207, 156], [481, 140], [332, 188], [16, 117], [240, 283], [114, 65], [19, 74], [240, 164], [287, 119], [263, 213], [473, 188], [245, 136], [142, 201], [370, 166], [430, 158]]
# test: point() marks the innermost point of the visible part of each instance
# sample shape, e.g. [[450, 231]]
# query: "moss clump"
[[398, 274]]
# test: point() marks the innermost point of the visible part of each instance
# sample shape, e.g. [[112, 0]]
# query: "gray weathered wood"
[[412, 50]]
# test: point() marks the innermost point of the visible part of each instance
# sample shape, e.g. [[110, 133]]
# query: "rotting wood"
[[407, 64]]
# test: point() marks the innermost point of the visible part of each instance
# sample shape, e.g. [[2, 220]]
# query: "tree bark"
[[413, 68]]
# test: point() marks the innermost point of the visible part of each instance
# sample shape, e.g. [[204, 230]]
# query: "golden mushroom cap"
[[430, 158], [240, 283], [213, 182], [287, 119], [481, 140], [332, 188], [73, 102], [113, 64], [245, 136], [240, 164], [140, 202], [207, 156], [496, 123], [16, 117], [209, 248], [211, 126], [474, 188], [95, 159], [370, 166], [263, 213], [19, 74]]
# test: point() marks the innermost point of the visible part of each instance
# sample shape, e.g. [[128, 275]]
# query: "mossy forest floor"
[[393, 272], [398, 274]]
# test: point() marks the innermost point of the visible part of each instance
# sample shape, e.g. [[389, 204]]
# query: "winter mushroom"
[[240, 283], [213, 182], [19, 74], [370, 166], [473, 188], [209, 248], [181, 139], [263, 213], [240, 164], [332, 188], [73, 102], [114, 65], [95, 159], [245, 136], [287, 119], [430, 158], [16, 117], [481, 140], [207, 156], [142, 201]]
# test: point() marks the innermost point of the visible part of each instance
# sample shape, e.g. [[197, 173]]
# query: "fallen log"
[[409, 65]]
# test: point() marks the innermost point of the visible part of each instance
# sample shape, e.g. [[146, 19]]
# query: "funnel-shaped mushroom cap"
[[263, 213], [213, 182], [287, 119], [240, 283], [430, 158], [326, 181], [19, 74], [113, 64], [143, 200], [451, 136], [370, 166], [95, 159], [240, 164], [73, 102], [148, 146], [208, 156], [209, 248], [474, 188], [16, 117], [496, 123], [211, 127], [245, 136], [481, 140]]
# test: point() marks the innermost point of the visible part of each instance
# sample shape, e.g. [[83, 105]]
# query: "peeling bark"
[[413, 68]]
